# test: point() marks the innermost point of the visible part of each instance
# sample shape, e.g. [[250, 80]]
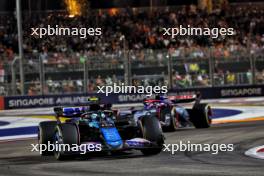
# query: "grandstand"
[[56, 65]]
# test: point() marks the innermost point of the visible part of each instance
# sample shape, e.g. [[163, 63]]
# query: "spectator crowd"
[[144, 40]]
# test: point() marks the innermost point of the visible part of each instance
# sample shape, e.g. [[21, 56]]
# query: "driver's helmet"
[[103, 115], [149, 105], [94, 116], [164, 99]]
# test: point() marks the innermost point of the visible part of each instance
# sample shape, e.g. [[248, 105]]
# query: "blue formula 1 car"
[[95, 125]]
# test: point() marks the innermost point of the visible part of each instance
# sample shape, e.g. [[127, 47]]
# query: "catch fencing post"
[[85, 76], [126, 62], [13, 75], [20, 46], [41, 75], [211, 67], [169, 62]]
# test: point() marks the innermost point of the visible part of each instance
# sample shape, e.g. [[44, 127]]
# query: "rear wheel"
[[199, 116], [66, 134], [46, 132], [152, 131]]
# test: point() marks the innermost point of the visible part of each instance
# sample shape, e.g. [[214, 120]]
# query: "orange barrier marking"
[[236, 121], [51, 117]]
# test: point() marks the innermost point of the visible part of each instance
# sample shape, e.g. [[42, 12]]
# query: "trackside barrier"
[[16, 102], [2, 103]]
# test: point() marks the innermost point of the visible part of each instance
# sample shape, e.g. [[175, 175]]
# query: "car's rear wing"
[[79, 110], [176, 99], [183, 98], [69, 111]]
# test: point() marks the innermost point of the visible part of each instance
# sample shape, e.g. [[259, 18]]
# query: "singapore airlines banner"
[[15, 102]]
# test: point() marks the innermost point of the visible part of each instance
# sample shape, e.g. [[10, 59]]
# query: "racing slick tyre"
[[66, 134], [152, 131], [46, 132], [199, 116]]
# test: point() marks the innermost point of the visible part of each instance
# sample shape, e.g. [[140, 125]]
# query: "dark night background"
[[9, 5]]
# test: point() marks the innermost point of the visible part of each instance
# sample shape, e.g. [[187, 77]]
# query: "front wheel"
[[199, 115], [46, 132], [151, 130], [66, 136]]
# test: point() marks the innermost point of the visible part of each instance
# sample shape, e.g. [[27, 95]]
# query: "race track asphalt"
[[17, 159]]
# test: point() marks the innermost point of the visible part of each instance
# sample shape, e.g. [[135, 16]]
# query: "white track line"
[[17, 137], [16, 122]]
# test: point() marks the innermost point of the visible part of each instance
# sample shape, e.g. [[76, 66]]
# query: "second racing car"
[[172, 115]]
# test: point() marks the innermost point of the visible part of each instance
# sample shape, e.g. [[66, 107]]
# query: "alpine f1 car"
[[173, 116], [98, 124]]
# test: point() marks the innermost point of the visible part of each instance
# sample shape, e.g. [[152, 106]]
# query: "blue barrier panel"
[[225, 92], [16, 102]]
